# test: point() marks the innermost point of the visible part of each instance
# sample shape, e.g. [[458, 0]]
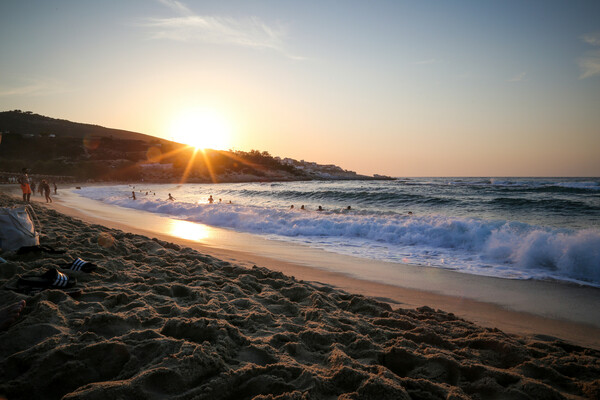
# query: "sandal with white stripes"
[[80, 265], [51, 279]]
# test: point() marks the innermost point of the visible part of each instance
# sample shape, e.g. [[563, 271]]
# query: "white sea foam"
[[471, 245]]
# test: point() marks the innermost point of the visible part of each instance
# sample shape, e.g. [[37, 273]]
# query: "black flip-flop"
[[51, 279], [80, 265]]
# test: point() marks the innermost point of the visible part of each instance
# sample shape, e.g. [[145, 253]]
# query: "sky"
[[401, 88]]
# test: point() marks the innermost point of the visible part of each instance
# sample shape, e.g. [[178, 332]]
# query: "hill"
[[28, 123], [55, 147]]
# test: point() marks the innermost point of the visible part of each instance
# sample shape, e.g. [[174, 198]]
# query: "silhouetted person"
[[25, 185], [171, 197], [133, 195], [55, 187], [320, 208], [46, 189], [210, 199], [302, 207], [292, 207]]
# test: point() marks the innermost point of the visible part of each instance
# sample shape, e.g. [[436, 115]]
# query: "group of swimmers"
[[147, 193], [170, 197], [320, 208], [211, 200]]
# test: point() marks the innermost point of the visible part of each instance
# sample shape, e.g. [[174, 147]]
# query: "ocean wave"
[[588, 185], [543, 185], [382, 198], [567, 188], [545, 204], [489, 247]]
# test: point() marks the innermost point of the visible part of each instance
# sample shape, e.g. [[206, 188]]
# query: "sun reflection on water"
[[188, 230]]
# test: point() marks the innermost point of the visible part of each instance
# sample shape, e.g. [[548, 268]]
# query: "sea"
[[513, 228]]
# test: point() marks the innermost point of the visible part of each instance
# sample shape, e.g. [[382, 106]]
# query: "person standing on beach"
[[55, 187], [25, 185], [133, 195], [46, 188], [210, 199]]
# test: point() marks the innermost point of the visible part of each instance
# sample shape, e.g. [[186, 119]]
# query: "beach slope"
[[159, 320]]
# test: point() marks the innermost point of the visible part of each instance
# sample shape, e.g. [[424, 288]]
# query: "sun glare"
[[189, 230], [203, 129]]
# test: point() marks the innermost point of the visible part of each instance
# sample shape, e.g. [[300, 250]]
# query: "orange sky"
[[389, 87]]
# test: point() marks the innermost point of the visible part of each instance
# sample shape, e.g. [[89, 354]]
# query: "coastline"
[[155, 319], [517, 307]]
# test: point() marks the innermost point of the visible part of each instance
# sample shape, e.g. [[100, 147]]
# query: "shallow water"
[[525, 228]]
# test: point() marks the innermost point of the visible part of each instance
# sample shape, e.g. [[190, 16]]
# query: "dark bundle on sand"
[[156, 320]]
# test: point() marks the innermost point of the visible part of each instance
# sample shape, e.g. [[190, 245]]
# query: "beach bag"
[[17, 228]]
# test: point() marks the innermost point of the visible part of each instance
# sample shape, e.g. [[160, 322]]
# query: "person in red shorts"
[[25, 185]]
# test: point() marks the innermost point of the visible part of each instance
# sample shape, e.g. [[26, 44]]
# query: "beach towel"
[[17, 228]]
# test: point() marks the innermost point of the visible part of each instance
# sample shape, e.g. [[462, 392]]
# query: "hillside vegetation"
[[49, 146]]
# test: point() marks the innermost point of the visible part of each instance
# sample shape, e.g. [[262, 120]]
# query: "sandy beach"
[[523, 307], [164, 316]]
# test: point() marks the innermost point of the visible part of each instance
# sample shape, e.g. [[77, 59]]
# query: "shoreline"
[[472, 297]]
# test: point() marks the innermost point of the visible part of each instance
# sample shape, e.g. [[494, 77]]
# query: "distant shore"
[[10, 177]]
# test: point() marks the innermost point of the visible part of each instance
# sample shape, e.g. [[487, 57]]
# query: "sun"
[[202, 129]]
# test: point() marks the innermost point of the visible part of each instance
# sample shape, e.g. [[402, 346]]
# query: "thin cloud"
[[517, 78], [592, 38], [189, 27], [250, 32], [589, 64], [176, 6], [34, 89]]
